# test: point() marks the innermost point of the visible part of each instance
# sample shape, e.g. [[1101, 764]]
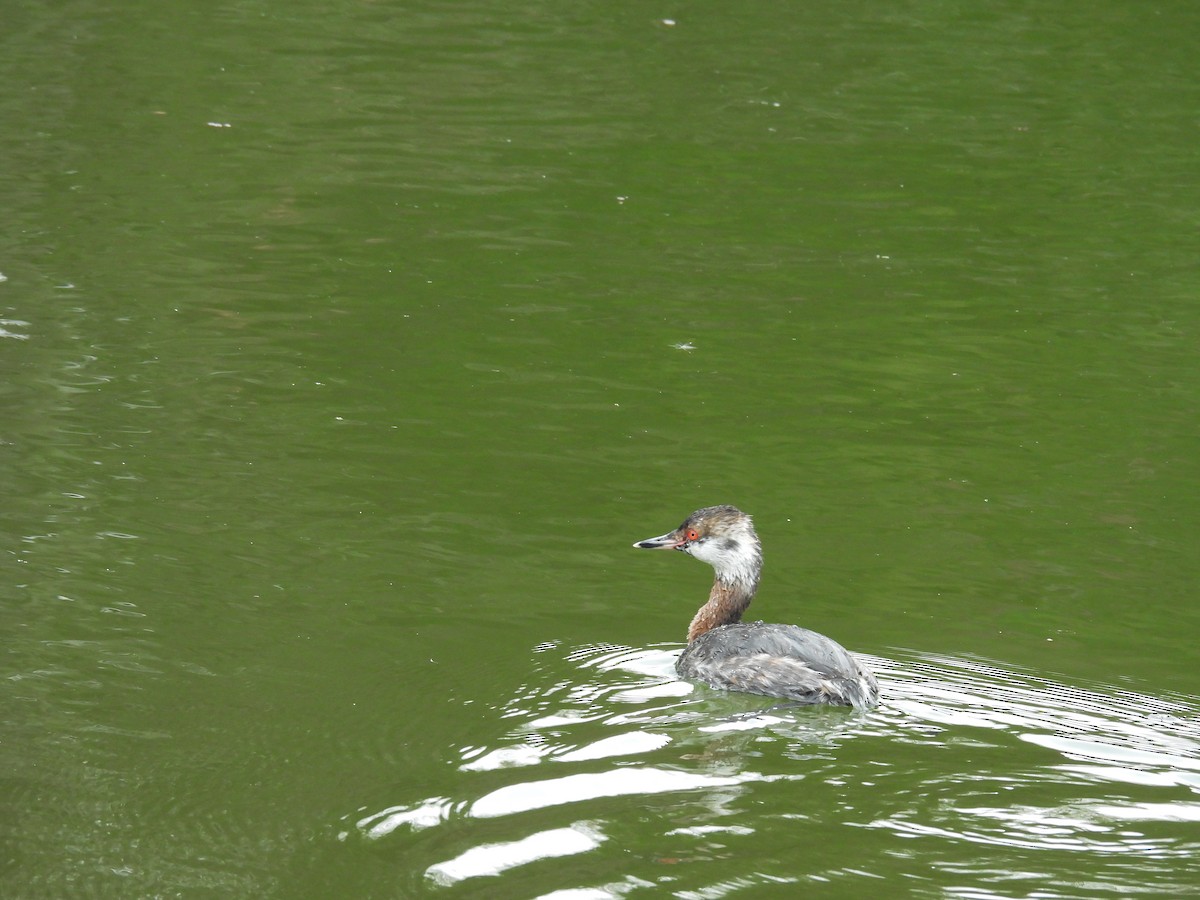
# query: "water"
[[347, 348], [971, 778]]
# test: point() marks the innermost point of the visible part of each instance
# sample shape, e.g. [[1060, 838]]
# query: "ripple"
[[517, 798], [961, 752], [492, 859]]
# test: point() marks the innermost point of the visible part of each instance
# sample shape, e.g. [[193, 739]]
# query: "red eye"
[[693, 534]]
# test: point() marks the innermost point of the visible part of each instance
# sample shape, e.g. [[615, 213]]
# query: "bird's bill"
[[671, 541]]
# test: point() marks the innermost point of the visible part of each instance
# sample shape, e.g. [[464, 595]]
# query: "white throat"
[[735, 555]]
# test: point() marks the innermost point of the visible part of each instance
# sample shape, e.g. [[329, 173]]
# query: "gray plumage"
[[778, 661]]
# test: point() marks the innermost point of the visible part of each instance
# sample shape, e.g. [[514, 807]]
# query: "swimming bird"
[[725, 653]]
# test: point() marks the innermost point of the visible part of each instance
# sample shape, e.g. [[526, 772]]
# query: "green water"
[[346, 348]]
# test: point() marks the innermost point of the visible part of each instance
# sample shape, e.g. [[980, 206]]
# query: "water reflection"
[[492, 859], [962, 752]]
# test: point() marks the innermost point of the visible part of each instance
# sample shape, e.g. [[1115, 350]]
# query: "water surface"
[[346, 349]]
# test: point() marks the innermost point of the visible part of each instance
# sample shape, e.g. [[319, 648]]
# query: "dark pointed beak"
[[670, 541]]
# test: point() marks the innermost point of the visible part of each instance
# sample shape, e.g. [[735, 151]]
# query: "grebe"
[[775, 660]]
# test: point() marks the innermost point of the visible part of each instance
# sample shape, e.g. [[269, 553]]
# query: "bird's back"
[[778, 661]]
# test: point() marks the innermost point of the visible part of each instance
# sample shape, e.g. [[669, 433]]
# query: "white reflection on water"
[[1117, 737], [492, 859], [629, 743], [526, 796], [1151, 812], [655, 736], [632, 781], [423, 815]]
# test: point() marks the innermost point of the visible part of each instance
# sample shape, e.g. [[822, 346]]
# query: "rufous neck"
[[726, 602]]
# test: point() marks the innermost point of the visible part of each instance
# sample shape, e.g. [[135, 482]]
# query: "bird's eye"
[[693, 534]]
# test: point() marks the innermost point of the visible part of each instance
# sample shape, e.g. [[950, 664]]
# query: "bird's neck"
[[727, 601]]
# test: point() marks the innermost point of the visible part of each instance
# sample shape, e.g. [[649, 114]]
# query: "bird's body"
[[759, 658]]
